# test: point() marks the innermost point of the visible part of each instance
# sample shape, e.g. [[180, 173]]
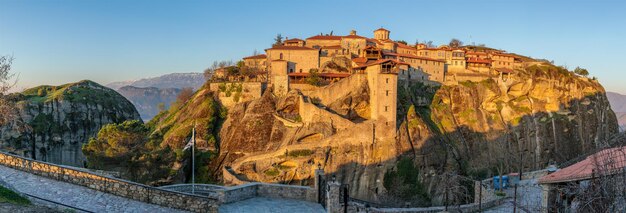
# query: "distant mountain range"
[[147, 100], [174, 80], [146, 94], [618, 104]]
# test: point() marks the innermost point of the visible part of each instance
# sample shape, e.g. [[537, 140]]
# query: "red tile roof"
[[608, 161], [479, 61], [475, 53], [383, 29], [401, 45], [261, 56], [374, 41], [354, 36], [289, 48], [324, 37]]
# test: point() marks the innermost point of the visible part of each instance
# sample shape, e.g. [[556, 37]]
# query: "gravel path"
[[74, 195]]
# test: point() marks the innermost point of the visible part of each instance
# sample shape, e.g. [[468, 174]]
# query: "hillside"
[[147, 100], [173, 80], [61, 119]]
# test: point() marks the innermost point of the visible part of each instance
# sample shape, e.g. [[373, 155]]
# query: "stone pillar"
[[333, 204], [547, 197]]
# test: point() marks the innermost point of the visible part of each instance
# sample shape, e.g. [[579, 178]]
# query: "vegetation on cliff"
[[153, 153], [59, 119]]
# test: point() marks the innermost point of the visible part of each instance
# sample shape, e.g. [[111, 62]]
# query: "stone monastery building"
[[386, 65]]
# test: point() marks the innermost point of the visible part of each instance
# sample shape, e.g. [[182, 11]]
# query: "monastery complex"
[[383, 63]]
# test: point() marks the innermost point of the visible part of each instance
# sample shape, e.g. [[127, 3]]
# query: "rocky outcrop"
[[541, 115], [61, 118]]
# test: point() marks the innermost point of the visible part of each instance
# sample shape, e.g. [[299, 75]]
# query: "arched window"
[[281, 56]]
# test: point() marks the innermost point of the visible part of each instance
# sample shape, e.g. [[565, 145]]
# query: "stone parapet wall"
[[250, 190], [111, 185], [473, 207]]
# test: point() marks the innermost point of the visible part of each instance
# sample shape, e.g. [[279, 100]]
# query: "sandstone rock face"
[[539, 116], [61, 119]]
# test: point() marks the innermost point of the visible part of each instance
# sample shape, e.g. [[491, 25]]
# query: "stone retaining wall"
[[111, 185]]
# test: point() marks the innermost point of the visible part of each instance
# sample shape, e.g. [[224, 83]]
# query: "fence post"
[[515, 199]]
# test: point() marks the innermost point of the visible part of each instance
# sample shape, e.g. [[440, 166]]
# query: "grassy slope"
[[8, 196]]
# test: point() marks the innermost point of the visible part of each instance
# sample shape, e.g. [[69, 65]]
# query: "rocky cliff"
[[542, 114], [61, 118]]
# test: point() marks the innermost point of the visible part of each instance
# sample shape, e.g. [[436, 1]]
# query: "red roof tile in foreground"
[[262, 56], [324, 37], [401, 45], [608, 161], [289, 48]]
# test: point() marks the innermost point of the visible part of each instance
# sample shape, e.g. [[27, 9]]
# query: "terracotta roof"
[[374, 40], [472, 74], [354, 36], [261, 56], [289, 48], [379, 29], [278, 60], [504, 70], [478, 61], [503, 54], [293, 40], [419, 57], [608, 161], [332, 47], [360, 60], [390, 53], [324, 37], [401, 45]]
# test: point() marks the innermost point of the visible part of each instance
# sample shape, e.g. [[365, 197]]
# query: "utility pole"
[[515, 199]]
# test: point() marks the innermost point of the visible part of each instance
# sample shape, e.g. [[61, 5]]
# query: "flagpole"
[[193, 160]]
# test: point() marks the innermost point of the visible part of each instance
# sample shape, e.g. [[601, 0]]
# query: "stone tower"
[[279, 78], [381, 34]]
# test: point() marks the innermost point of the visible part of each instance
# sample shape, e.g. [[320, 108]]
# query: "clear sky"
[[60, 41]]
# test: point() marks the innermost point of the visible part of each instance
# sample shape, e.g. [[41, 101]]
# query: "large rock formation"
[[59, 119], [543, 114]]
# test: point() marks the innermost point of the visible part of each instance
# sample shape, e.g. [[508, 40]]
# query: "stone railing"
[[119, 187]]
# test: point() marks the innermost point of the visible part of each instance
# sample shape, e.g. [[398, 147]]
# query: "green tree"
[[278, 41], [314, 78], [7, 110], [402, 42], [184, 95], [581, 71], [455, 43]]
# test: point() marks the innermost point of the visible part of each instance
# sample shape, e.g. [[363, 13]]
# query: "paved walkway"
[[528, 198], [73, 195], [262, 204]]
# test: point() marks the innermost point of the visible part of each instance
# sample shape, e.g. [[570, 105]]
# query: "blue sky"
[[60, 41]]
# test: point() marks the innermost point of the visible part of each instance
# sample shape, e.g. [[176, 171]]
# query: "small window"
[[386, 107], [300, 70], [281, 56], [387, 92], [387, 80]]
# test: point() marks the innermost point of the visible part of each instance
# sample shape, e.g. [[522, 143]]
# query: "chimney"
[[352, 32]]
